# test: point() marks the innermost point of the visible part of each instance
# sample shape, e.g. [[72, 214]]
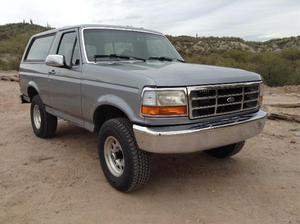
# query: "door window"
[[69, 48]]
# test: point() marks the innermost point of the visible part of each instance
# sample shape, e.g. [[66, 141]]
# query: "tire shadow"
[[169, 171]]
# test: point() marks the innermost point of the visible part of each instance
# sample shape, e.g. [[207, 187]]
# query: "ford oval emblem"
[[230, 99]]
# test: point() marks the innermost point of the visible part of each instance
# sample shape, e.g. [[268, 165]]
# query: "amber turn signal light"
[[164, 111]]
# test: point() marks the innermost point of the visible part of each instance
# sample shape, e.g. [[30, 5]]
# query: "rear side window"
[[39, 49]]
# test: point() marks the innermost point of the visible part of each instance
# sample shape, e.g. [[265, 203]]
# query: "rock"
[[9, 78], [294, 129], [283, 116]]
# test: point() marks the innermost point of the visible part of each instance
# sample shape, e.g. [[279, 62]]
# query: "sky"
[[257, 20]]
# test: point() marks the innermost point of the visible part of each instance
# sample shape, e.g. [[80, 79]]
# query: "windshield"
[[132, 44]]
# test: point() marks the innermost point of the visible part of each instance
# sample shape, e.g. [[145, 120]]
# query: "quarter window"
[[39, 49]]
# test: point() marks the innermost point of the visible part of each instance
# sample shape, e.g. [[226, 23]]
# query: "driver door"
[[65, 83]]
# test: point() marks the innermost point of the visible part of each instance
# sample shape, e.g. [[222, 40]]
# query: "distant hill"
[[13, 40], [277, 60], [207, 45]]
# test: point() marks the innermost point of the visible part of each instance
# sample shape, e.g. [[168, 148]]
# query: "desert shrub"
[[280, 66], [13, 40], [277, 68]]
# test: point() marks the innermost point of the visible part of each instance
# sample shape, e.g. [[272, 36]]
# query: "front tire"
[[43, 124], [125, 166], [226, 151]]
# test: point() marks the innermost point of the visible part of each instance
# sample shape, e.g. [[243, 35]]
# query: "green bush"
[[13, 40], [277, 69]]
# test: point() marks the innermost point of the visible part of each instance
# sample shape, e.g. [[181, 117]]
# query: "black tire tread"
[[49, 121], [141, 160]]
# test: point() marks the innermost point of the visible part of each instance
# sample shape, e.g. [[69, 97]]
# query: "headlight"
[[164, 102]]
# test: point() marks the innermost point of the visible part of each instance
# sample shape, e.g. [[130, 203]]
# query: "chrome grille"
[[213, 100]]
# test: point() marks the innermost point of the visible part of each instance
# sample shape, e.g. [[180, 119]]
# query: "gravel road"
[[60, 180]]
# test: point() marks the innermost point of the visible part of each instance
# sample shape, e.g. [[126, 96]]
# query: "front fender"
[[115, 101]]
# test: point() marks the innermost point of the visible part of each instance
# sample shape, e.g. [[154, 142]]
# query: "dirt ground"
[[60, 180]]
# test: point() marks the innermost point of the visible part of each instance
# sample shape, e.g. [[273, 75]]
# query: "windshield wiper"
[[162, 58], [117, 56]]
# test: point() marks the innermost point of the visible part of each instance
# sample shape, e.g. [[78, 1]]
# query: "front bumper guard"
[[199, 137]]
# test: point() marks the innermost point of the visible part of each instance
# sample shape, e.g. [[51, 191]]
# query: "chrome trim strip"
[[243, 98], [252, 92], [253, 109], [203, 97], [236, 94], [223, 85], [203, 107], [199, 137], [229, 104], [248, 101]]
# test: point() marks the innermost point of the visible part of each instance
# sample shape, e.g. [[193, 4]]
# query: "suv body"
[[132, 87]]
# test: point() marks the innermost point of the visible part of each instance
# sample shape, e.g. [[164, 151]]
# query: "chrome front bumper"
[[199, 137]]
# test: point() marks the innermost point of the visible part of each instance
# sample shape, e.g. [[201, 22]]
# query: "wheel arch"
[[105, 112], [32, 90], [111, 106]]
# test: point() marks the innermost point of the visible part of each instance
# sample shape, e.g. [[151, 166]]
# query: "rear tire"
[[43, 124], [226, 151], [125, 166]]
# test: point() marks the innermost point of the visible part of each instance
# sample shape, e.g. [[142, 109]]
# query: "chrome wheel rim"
[[36, 116], [114, 157]]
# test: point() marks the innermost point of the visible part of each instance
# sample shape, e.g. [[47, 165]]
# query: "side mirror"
[[56, 60]]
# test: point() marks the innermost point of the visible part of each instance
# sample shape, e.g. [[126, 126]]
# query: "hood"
[[165, 74]]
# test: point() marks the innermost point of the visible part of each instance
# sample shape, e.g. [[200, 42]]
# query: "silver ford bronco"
[[133, 88]]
